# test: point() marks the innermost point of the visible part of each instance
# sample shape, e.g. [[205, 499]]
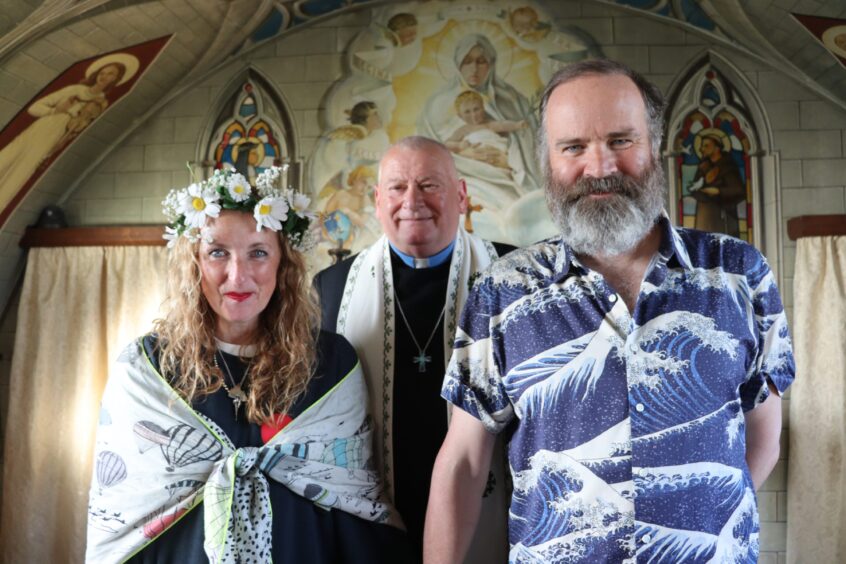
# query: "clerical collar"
[[435, 260]]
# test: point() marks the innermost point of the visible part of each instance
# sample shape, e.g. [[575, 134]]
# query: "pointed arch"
[[723, 172], [250, 128]]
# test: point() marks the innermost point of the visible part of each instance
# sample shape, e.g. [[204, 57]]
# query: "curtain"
[[816, 485], [79, 307]]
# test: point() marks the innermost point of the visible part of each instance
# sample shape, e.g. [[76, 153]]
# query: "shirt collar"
[[435, 260], [245, 351], [672, 246]]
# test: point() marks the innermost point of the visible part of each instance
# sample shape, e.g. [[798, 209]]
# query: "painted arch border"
[[764, 159]]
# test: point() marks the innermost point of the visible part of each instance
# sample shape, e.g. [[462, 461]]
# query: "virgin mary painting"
[[57, 115], [60, 113], [503, 171]]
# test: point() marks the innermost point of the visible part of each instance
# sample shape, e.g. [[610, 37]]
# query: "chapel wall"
[[809, 136]]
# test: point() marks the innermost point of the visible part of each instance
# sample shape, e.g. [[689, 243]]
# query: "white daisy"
[[270, 212], [170, 235], [299, 204], [197, 203], [238, 187]]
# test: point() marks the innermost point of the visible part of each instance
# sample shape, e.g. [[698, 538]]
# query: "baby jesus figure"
[[481, 138]]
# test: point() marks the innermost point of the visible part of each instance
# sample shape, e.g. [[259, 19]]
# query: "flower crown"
[[188, 209]]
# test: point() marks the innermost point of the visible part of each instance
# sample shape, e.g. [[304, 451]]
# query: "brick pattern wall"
[[809, 135]]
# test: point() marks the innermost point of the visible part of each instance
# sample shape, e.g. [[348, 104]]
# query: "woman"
[[20, 159], [493, 185], [237, 401]]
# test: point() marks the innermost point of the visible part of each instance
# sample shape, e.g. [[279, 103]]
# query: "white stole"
[[366, 319]]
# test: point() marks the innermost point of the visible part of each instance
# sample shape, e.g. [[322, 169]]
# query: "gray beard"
[[610, 226]]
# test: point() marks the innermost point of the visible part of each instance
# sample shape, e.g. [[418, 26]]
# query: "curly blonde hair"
[[285, 339]]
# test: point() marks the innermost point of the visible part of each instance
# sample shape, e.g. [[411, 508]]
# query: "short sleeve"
[[473, 379], [774, 361]]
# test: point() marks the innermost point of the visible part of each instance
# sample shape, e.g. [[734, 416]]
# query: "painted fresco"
[[464, 73], [688, 11], [53, 120], [831, 32], [713, 151]]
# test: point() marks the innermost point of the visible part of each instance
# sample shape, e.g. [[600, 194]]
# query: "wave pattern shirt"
[[628, 439]]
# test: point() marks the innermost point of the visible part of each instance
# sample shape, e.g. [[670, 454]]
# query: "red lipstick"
[[238, 296]]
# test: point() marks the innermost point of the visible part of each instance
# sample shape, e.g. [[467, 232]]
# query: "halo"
[[129, 62], [830, 35], [712, 132], [446, 48]]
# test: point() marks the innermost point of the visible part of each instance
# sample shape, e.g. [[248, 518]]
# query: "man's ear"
[[462, 196], [377, 195]]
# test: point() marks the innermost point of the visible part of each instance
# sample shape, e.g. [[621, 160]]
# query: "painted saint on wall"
[[466, 73], [61, 112], [713, 150], [831, 32]]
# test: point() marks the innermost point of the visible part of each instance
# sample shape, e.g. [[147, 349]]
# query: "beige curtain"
[[816, 485], [78, 308]]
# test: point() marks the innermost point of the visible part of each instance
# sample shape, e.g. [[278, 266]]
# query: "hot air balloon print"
[[111, 469], [159, 520], [181, 445]]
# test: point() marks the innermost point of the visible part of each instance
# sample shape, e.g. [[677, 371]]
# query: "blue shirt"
[[628, 429]]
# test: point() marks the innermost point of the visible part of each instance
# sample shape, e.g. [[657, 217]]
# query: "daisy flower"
[[299, 204], [270, 212], [238, 187], [197, 203], [170, 235]]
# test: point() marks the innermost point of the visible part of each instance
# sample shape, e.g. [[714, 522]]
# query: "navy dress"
[[302, 531]]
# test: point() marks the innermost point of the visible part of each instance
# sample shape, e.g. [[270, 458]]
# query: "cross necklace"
[[422, 358], [235, 393]]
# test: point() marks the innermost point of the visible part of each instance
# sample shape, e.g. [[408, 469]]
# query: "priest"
[[398, 302]]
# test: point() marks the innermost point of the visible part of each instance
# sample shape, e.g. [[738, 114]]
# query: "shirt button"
[[633, 348], [612, 298], [646, 539], [639, 407]]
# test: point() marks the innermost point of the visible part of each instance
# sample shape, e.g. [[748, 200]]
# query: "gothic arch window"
[[251, 132], [713, 143]]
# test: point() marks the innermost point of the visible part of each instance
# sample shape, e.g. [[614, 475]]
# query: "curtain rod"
[[110, 236], [816, 226], [151, 235]]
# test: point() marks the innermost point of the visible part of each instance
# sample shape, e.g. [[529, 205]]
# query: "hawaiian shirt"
[[628, 427]]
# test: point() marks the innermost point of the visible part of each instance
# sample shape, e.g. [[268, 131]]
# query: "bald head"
[[419, 196]]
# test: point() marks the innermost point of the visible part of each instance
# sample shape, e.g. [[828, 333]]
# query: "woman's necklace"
[[421, 359], [235, 393]]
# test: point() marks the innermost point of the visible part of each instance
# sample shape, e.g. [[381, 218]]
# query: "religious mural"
[[465, 73], [712, 151], [53, 120], [831, 32], [688, 11]]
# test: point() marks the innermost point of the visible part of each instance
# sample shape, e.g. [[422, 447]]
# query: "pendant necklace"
[[422, 358], [235, 393]]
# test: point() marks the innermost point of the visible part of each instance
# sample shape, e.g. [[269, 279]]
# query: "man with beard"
[[638, 366]]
